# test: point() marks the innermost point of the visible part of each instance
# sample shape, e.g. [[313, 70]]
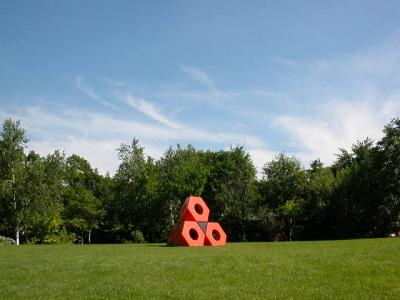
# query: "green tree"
[[283, 189], [290, 210], [389, 147], [181, 172], [83, 211], [356, 195], [54, 169], [319, 189], [231, 190], [42, 217], [131, 182], [12, 145], [105, 192]]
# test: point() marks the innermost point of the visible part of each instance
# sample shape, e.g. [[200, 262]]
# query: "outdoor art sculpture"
[[193, 228]]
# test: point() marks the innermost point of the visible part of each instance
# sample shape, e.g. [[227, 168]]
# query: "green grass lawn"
[[353, 269]]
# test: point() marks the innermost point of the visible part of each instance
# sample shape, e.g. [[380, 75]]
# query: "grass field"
[[353, 269]]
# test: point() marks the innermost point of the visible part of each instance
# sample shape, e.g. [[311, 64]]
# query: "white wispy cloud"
[[338, 124], [379, 61], [331, 105], [342, 100], [198, 75], [150, 110], [282, 61], [375, 66], [260, 156], [187, 132], [112, 82], [92, 94], [95, 136]]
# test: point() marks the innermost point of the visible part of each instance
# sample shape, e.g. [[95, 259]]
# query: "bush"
[[32, 241], [137, 237], [62, 237], [6, 241]]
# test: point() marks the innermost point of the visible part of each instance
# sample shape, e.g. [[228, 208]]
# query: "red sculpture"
[[193, 228]]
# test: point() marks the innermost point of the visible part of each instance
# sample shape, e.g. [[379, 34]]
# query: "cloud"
[[150, 110], [113, 83], [338, 124], [92, 94], [100, 154], [377, 66], [95, 136], [282, 61], [331, 105], [198, 75], [342, 100], [382, 59], [186, 132], [260, 157], [325, 105]]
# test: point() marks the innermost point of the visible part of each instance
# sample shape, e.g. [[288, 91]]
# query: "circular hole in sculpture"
[[198, 209], [193, 234], [216, 235]]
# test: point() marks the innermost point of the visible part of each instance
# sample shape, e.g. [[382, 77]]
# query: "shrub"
[[62, 237], [32, 241], [137, 237], [6, 241]]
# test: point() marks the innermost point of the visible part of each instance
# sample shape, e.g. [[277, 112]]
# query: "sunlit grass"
[[354, 269]]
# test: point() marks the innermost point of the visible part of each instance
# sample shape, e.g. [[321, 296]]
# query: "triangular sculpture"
[[193, 228]]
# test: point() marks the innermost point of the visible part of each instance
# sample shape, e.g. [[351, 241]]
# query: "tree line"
[[59, 199]]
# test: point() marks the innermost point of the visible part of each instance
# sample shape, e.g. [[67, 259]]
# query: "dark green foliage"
[[283, 189], [231, 190], [180, 172], [14, 204], [133, 199], [83, 211], [137, 237], [389, 148], [59, 199]]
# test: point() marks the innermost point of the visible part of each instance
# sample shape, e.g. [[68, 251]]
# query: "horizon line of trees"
[[58, 199]]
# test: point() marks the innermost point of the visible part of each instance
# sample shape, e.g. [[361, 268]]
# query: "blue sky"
[[300, 77]]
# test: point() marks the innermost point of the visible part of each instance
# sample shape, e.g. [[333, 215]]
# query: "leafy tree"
[[105, 192], [231, 190], [82, 210], [51, 224], [283, 189], [290, 210], [42, 215], [389, 148], [356, 195], [131, 179], [319, 189], [181, 172], [52, 199], [12, 145]]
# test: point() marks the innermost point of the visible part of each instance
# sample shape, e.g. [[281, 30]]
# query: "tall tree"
[[12, 145], [82, 209], [389, 147], [130, 183], [231, 190], [42, 211], [356, 193], [182, 172], [283, 190], [319, 189]]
